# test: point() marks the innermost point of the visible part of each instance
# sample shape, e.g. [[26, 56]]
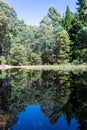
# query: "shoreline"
[[45, 67]]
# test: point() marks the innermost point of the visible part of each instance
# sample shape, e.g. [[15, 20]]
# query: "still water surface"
[[43, 100]]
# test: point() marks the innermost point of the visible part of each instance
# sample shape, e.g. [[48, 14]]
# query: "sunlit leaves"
[[18, 55]]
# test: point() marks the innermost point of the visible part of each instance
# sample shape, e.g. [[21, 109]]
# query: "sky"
[[32, 11]]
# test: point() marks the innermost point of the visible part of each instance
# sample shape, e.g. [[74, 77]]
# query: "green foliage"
[[81, 46], [48, 52], [57, 40], [54, 16], [82, 11], [77, 33], [2, 60], [63, 42], [81, 56], [18, 55], [76, 26], [34, 59], [7, 18], [45, 21], [67, 19], [82, 37]]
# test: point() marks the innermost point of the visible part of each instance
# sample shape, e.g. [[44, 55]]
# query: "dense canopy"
[[56, 40]]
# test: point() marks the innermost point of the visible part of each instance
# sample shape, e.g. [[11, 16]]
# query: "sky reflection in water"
[[34, 119], [55, 100]]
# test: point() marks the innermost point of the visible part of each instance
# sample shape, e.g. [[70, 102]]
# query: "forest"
[[57, 40]]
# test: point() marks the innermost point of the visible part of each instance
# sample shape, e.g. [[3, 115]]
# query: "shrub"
[[34, 59], [2, 60], [18, 55]]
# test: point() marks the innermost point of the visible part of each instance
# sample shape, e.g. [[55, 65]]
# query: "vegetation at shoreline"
[[63, 67], [57, 40]]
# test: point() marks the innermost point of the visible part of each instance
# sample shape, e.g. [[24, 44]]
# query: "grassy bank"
[[46, 67]]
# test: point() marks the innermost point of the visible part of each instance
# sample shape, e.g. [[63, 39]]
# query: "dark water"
[[43, 100]]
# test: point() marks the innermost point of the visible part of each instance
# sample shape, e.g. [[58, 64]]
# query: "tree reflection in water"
[[57, 93]]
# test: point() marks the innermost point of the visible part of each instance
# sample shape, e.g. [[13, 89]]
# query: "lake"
[[43, 100]]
